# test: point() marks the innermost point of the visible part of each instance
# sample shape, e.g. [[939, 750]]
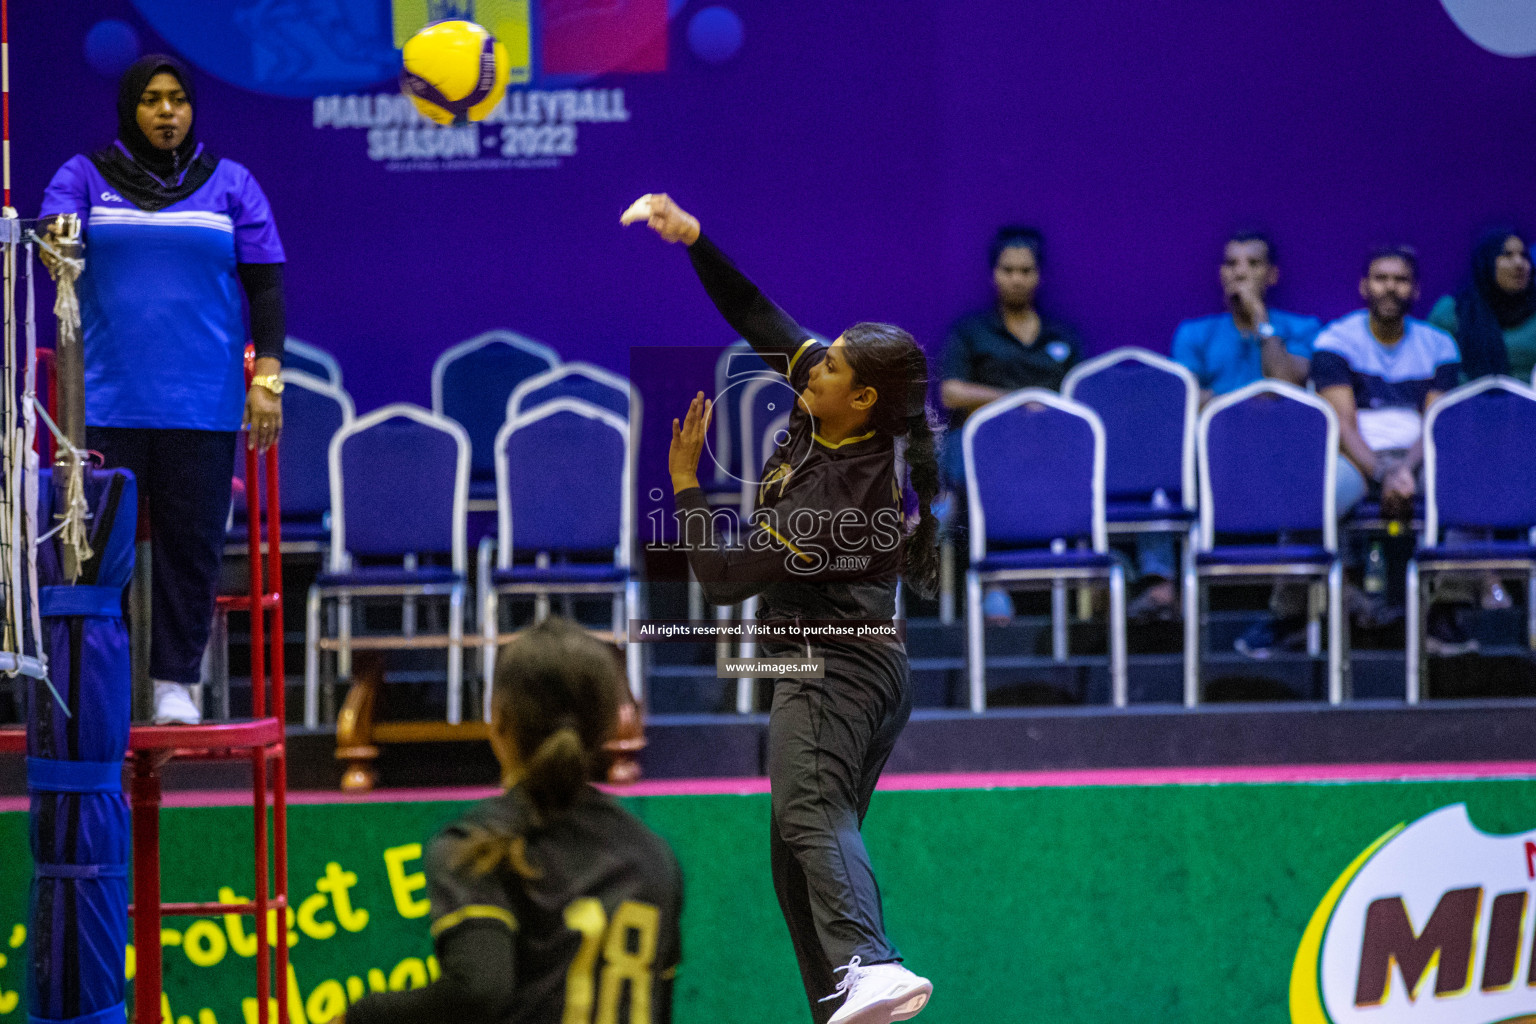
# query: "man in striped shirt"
[[1380, 369]]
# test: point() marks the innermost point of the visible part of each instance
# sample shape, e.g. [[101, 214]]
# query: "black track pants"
[[184, 484], [827, 742]]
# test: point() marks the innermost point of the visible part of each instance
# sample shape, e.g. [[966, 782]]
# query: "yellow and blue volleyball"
[[455, 71]]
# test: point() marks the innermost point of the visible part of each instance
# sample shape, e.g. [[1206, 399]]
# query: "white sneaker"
[[879, 994], [175, 704]]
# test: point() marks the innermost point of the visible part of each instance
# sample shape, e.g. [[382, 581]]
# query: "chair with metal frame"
[[1268, 459], [737, 366], [565, 481], [1479, 476], [1034, 468], [774, 433], [471, 384], [585, 381], [311, 359], [314, 411], [399, 490], [764, 401], [741, 374], [588, 383], [1149, 406]]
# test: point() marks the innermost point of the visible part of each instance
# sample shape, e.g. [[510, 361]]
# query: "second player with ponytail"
[[507, 878]]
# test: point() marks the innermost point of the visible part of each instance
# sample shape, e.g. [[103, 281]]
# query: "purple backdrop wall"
[[856, 158]]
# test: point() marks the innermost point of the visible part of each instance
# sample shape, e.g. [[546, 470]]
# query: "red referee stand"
[[259, 740]]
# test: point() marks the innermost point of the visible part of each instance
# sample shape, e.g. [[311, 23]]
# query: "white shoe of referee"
[[879, 994], [176, 704]]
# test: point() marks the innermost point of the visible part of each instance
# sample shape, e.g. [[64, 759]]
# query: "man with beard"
[[1380, 369]]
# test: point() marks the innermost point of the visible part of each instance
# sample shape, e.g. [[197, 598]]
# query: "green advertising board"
[[1204, 904]]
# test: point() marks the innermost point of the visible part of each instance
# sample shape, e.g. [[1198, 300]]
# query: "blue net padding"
[[80, 822], [111, 1015]]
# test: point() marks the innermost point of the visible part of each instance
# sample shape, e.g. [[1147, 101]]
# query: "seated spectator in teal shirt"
[[1493, 319], [1230, 350]]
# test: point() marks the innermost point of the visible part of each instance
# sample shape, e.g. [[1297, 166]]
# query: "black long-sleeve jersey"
[[593, 937], [826, 539]]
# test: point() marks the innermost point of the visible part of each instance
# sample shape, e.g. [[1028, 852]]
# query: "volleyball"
[[455, 71]]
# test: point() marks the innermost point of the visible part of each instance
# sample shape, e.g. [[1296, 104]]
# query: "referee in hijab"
[[178, 244]]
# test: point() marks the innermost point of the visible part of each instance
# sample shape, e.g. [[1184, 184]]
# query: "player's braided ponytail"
[[556, 700], [922, 566], [889, 360]]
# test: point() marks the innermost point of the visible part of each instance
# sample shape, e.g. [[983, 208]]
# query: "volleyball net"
[[25, 425], [20, 626]]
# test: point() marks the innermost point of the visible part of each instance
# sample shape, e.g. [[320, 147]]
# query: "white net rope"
[[20, 624], [66, 271]]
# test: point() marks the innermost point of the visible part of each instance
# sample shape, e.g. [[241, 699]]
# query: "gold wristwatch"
[[271, 381]]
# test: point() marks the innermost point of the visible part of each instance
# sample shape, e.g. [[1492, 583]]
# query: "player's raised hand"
[[663, 216], [688, 444]]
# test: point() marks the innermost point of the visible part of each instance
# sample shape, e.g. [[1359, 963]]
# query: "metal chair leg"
[[1413, 622], [408, 603], [218, 664], [1314, 627], [746, 686], [344, 637], [1059, 620], [634, 653], [541, 601], [490, 628], [1118, 683], [947, 582], [723, 646], [490, 622], [456, 654], [312, 659], [1058, 609], [1191, 588], [1530, 602], [975, 644], [1336, 632], [1530, 612]]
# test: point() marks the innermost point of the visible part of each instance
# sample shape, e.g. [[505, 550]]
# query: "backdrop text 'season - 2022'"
[[1267, 903]]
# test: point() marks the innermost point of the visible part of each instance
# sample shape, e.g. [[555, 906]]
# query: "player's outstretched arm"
[[754, 316]]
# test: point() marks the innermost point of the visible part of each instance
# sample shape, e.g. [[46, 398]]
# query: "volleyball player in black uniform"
[[550, 902], [828, 543]]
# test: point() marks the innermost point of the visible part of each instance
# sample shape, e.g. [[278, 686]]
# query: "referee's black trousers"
[[184, 485], [828, 739]]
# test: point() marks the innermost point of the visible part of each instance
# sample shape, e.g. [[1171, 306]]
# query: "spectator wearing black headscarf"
[[178, 243], [1493, 318]]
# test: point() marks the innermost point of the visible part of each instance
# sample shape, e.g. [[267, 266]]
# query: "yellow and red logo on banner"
[[1431, 924]]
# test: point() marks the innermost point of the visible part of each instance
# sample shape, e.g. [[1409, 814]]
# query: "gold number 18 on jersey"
[[634, 925]]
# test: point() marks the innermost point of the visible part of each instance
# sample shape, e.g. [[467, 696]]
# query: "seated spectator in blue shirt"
[[1380, 369], [1227, 351], [1008, 346]]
